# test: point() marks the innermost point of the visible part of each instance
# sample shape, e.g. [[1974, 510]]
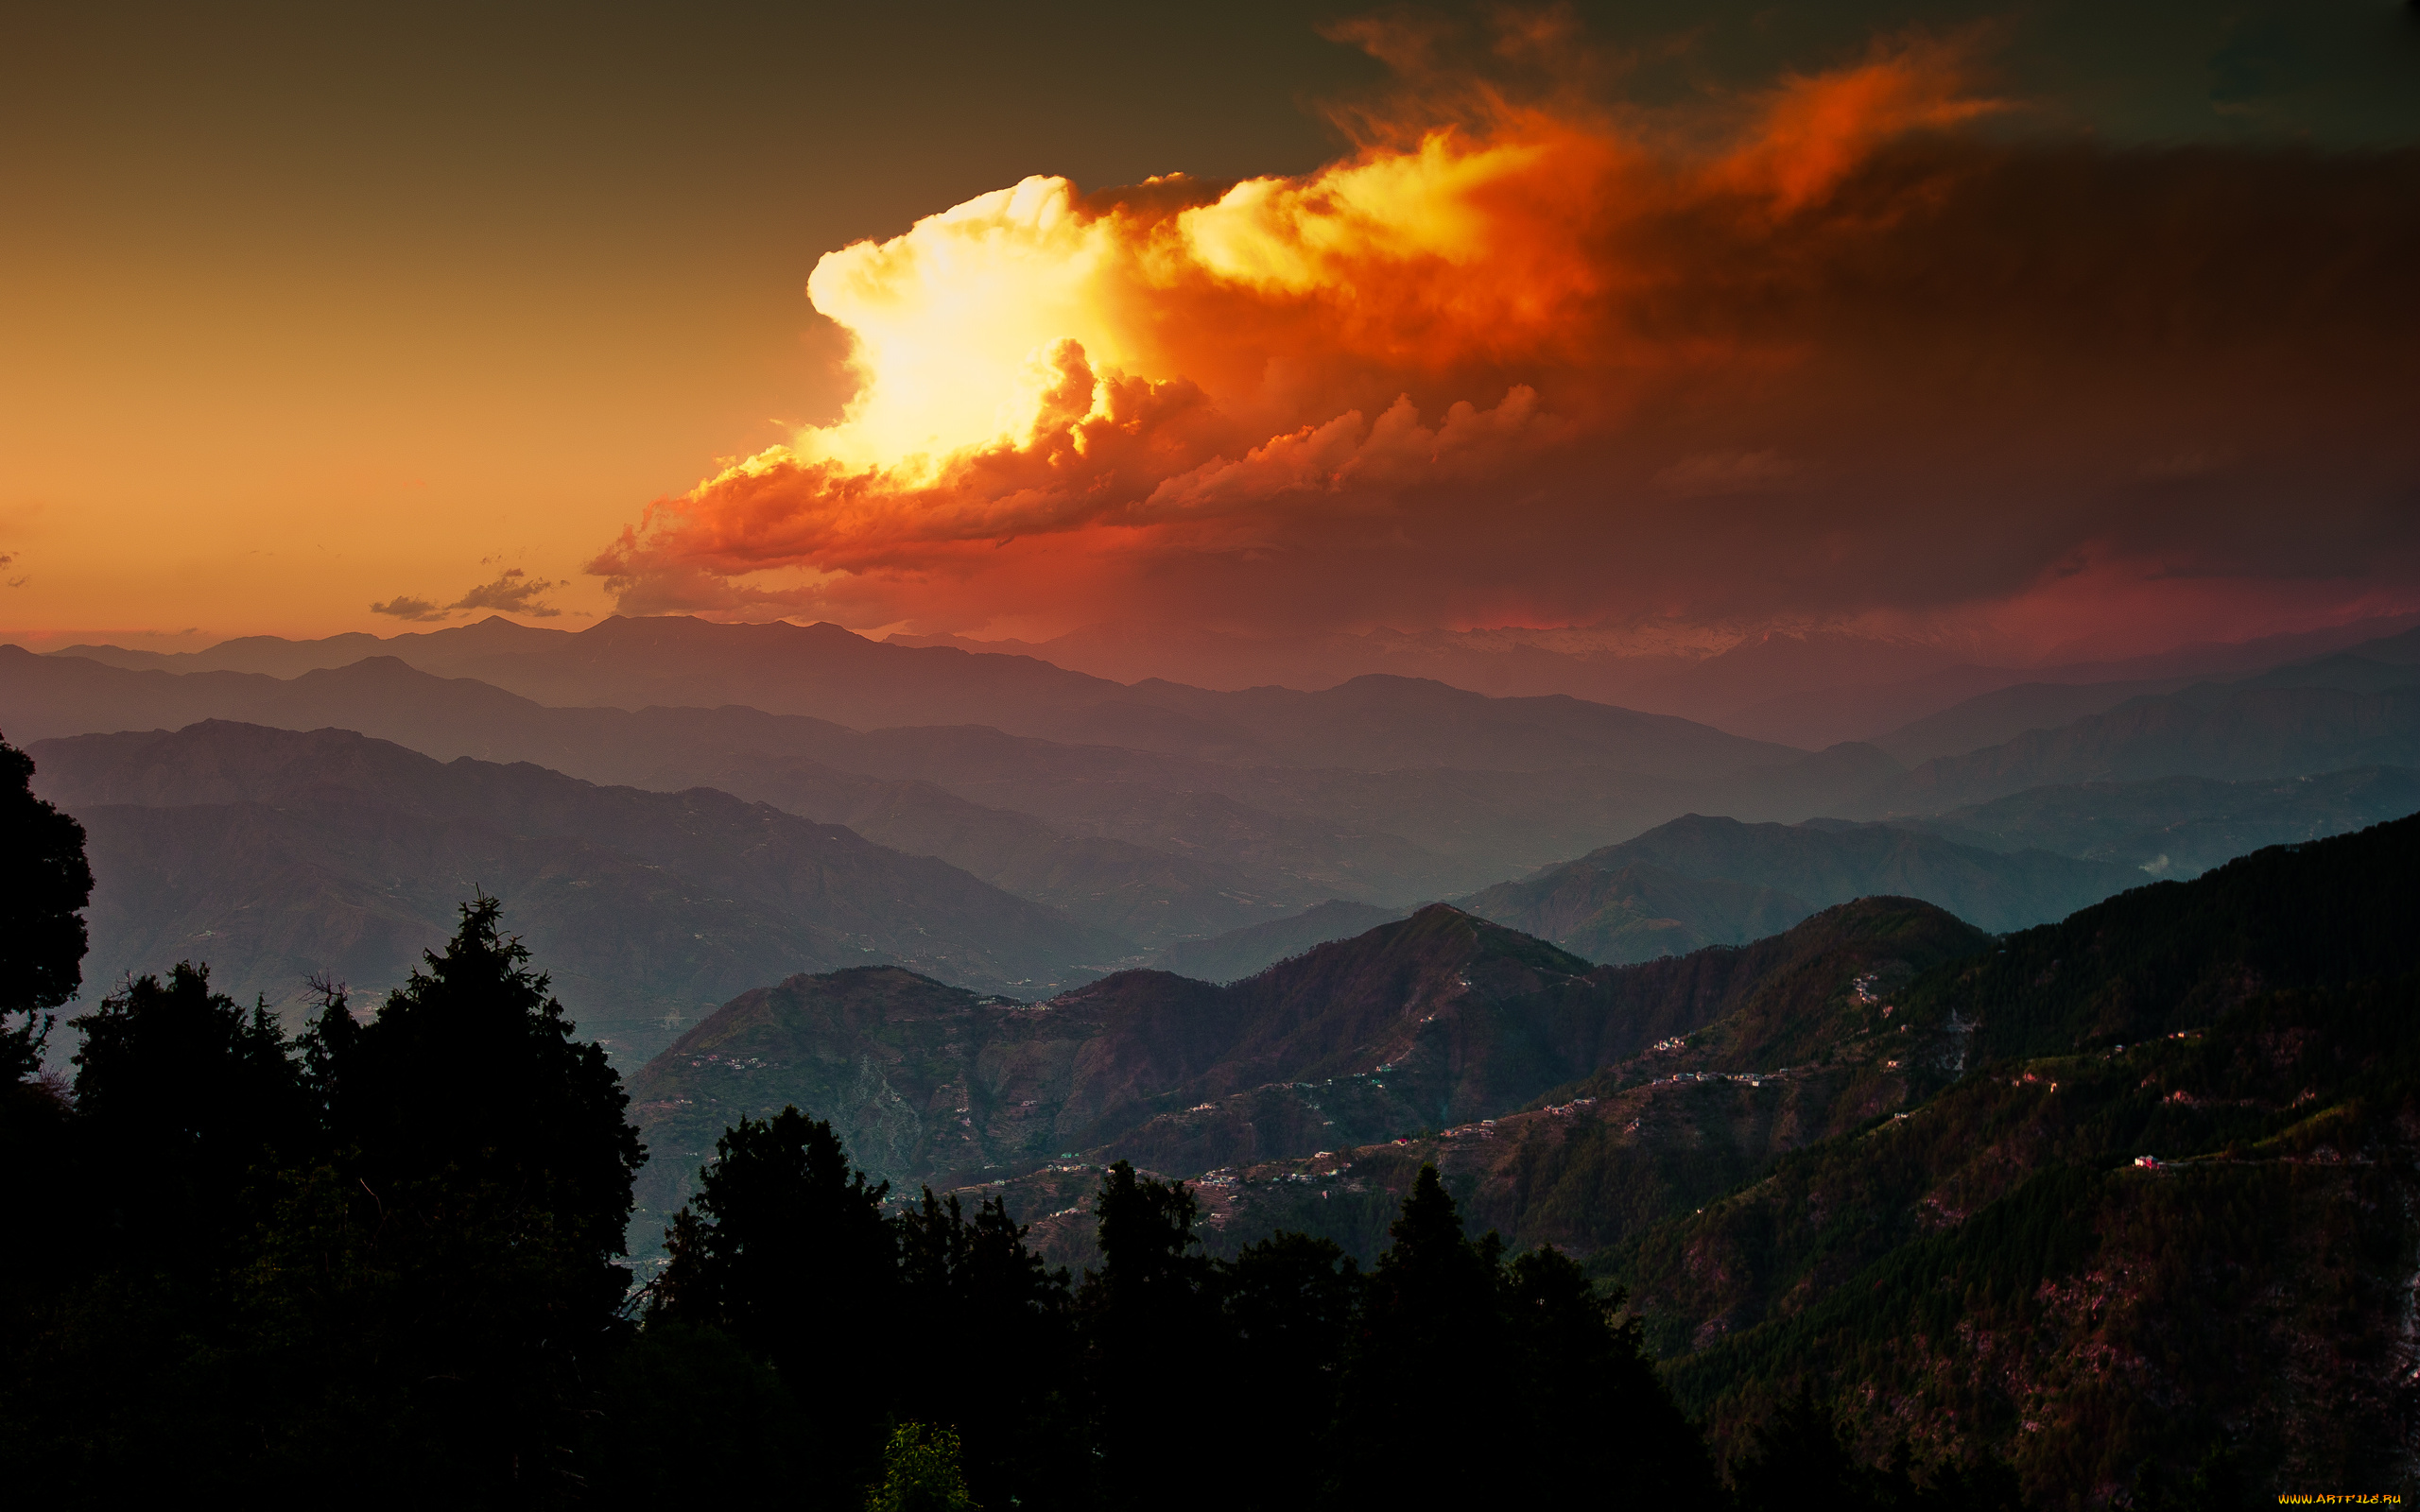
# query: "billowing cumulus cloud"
[[1857, 351]]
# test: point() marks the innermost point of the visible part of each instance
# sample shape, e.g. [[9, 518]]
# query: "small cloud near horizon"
[[405, 607], [513, 591]]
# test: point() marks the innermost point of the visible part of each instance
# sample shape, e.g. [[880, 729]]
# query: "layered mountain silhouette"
[[1185, 863], [937, 1082], [1811, 689], [2180, 826], [1241, 952], [1994, 1173], [1376, 722], [2233, 732], [2001, 715], [1700, 881], [1441, 1017], [1637, 911], [1288, 835], [274, 854]]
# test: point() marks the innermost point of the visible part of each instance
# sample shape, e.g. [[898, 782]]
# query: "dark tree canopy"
[[180, 1068], [969, 1290], [381, 1265], [44, 887], [784, 1248], [471, 1069], [1151, 1333], [182, 1093]]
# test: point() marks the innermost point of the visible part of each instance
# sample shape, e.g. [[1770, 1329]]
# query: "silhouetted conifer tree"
[[45, 883], [470, 1073], [1596, 1414], [448, 1267], [1151, 1335], [784, 1248], [1286, 1307], [327, 1044], [182, 1096], [1431, 1334], [971, 1294]]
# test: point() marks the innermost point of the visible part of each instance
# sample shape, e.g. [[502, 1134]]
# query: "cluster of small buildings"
[[732, 1062]]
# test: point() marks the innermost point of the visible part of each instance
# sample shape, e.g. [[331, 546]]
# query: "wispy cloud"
[[405, 607], [511, 591]]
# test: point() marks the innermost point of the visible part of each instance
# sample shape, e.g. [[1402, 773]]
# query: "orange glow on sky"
[[1870, 337], [1288, 400]]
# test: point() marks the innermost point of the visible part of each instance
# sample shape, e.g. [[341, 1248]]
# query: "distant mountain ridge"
[[1374, 722], [1246, 952], [1702, 880], [2234, 733], [1810, 689], [1288, 836], [332, 851], [2176, 827], [1637, 911]]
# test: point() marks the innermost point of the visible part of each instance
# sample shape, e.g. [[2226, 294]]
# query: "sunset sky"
[[2006, 322]]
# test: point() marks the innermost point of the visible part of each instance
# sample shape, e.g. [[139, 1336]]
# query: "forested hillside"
[[2125, 1199], [1794, 1155]]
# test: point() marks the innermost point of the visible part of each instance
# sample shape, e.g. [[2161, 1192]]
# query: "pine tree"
[[181, 1097], [784, 1248], [470, 1073], [450, 1264], [1596, 1411], [1151, 1334], [1432, 1331], [1286, 1307], [44, 886], [971, 1290]]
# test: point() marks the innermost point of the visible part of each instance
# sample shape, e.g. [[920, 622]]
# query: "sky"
[[2051, 328]]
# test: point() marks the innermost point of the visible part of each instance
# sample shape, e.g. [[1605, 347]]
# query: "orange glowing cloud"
[[1528, 361]]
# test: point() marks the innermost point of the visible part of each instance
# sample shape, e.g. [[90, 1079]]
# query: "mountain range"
[[1395, 835], [1439, 1018], [1819, 1054], [2130, 1186], [1811, 688], [2232, 733], [1374, 722], [2180, 826], [1706, 881], [274, 854]]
